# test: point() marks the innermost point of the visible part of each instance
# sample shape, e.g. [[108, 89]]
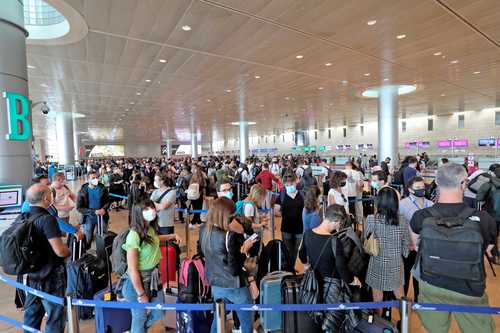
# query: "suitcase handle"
[[76, 247]]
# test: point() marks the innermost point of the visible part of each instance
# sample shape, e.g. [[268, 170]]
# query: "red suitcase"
[[168, 257]]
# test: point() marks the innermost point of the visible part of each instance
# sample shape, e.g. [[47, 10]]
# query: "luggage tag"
[[107, 296]]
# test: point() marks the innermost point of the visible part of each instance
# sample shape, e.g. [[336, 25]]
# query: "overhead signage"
[[419, 144], [461, 143], [458, 143], [18, 110], [491, 142]]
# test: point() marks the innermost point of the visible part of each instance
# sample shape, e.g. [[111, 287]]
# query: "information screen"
[[9, 198]]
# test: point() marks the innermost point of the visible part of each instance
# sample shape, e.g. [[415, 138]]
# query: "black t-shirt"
[[291, 214], [327, 265], [46, 227], [488, 231]]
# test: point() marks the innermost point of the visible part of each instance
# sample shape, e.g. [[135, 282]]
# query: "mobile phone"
[[254, 236]]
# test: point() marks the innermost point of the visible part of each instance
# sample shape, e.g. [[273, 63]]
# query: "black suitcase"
[[295, 322], [104, 241]]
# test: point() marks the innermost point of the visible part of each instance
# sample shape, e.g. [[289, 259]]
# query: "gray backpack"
[[452, 247], [118, 254]]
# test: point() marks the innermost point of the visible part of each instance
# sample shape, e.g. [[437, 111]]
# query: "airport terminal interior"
[[311, 112]]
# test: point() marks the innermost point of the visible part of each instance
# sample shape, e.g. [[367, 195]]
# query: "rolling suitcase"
[[296, 321], [168, 273], [111, 320], [270, 293], [375, 324], [103, 240]]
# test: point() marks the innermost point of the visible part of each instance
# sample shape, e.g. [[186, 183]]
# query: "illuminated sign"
[[18, 110]]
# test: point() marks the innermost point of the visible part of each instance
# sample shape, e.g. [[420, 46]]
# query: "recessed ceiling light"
[[345, 81], [31, 67], [138, 94], [147, 80], [477, 72], [132, 103], [438, 53], [287, 98], [454, 62], [43, 85], [401, 36], [186, 28], [262, 105], [442, 95], [372, 22], [209, 100], [299, 56], [257, 76], [320, 88], [163, 61], [126, 109], [159, 82], [228, 90], [367, 74], [386, 79], [328, 64]]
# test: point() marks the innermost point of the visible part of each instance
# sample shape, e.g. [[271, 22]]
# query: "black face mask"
[[342, 184], [419, 193]]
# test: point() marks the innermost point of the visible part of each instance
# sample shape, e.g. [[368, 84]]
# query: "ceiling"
[[240, 59]]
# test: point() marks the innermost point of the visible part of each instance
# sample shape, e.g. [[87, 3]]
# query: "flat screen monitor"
[[424, 144], [487, 142], [11, 196]]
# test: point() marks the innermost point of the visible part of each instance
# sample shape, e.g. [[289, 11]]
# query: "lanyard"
[[415, 203]]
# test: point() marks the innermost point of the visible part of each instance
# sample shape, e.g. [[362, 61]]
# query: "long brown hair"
[[138, 224], [219, 216]]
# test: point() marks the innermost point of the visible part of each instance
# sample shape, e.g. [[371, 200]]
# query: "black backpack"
[[478, 181], [398, 177], [452, 247], [20, 246]]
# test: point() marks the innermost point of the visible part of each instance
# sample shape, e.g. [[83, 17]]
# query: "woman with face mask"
[[143, 257], [292, 204], [335, 195], [407, 207]]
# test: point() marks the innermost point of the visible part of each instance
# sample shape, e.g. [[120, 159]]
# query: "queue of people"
[[232, 232]]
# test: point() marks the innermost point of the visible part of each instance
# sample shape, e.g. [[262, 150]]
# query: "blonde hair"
[[257, 194]]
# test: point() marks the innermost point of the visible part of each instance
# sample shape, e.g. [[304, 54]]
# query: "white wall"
[[142, 150]]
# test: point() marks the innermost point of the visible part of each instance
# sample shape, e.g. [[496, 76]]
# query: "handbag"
[[370, 245]]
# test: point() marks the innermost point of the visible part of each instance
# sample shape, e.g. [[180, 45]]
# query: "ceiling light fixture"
[[132, 103], [186, 28], [345, 82], [442, 95], [328, 64], [287, 98], [386, 79], [257, 76], [44, 85], [372, 22], [454, 62], [402, 90], [138, 94], [438, 53], [320, 88], [147, 80], [401, 36], [31, 67], [299, 56], [163, 61], [476, 72], [228, 90], [209, 100], [262, 105], [367, 74]]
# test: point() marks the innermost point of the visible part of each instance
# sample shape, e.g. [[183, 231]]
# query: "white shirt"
[[63, 202], [336, 197], [352, 184]]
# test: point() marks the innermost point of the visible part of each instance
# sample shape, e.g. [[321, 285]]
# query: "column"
[[16, 164], [41, 150], [388, 134], [243, 141], [65, 146], [168, 143], [194, 144]]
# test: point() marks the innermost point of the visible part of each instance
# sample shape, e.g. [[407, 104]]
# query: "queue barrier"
[[404, 305]]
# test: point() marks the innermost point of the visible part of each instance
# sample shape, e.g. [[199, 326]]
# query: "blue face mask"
[[290, 189], [228, 195], [375, 185]]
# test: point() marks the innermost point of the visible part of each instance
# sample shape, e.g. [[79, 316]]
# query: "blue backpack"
[[240, 207]]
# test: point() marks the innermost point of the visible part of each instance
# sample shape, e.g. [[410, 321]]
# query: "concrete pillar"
[[16, 164], [41, 149], [388, 135], [168, 143], [243, 141], [194, 144], [65, 146]]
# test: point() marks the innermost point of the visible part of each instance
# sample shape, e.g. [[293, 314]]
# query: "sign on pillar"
[[17, 116]]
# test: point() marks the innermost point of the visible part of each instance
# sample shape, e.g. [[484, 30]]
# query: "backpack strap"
[[183, 278], [201, 273]]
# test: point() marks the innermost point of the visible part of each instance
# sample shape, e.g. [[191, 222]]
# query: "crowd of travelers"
[[363, 231]]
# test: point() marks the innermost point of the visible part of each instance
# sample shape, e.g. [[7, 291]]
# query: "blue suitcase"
[[110, 320], [270, 293]]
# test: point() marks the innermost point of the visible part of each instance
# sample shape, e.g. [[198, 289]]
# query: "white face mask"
[[94, 182], [149, 214], [156, 184]]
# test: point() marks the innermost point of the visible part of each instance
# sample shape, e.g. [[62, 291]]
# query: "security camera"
[[45, 109]]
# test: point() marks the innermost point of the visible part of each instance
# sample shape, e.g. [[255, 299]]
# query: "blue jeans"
[[142, 320], [89, 226], [235, 296], [35, 307]]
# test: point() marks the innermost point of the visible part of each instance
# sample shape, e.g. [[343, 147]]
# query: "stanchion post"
[[271, 218], [72, 314], [238, 191], [405, 315], [186, 227], [220, 315]]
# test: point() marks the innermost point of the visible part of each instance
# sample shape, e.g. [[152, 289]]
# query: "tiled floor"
[[119, 222]]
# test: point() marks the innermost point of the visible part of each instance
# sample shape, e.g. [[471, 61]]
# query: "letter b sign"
[[19, 126]]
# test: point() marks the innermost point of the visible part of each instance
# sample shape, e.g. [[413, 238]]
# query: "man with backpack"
[[50, 277], [489, 194], [452, 240]]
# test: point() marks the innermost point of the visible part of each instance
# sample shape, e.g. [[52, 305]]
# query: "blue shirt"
[[407, 207], [408, 173], [310, 219], [94, 198]]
